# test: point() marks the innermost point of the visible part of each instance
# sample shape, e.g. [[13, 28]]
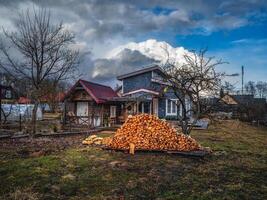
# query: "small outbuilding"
[[87, 103]]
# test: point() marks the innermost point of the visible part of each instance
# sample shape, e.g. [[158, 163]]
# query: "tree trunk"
[[34, 117]]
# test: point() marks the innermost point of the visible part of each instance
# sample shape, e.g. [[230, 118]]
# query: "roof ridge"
[[95, 83], [142, 70]]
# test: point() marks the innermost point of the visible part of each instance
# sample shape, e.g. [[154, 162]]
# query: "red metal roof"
[[59, 97], [24, 100], [100, 93]]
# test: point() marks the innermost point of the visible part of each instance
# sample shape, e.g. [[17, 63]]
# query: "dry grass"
[[23, 194], [236, 170]]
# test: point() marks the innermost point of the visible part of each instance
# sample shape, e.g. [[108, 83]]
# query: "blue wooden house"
[[144, 92]]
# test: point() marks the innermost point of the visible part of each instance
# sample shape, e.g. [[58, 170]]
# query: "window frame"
[[113, 110], [8, 94], [173, 104]]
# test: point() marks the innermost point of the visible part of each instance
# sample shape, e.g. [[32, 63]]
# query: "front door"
[[82, 110], [156, 107]]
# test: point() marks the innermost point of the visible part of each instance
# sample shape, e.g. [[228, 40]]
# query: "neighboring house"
[[7, 94], [87, 103], [244, 107], [143, 91], [52, 102], [24, 100]]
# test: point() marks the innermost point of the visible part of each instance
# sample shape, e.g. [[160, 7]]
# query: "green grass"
[[236, 170]]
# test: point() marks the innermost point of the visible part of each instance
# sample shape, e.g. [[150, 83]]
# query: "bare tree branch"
[[44, 51], [190, 81]]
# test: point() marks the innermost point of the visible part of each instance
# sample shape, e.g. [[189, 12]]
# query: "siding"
[[137, 82], [162, 107]]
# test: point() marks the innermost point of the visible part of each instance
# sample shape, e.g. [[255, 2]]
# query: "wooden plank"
[[189, 153], [183, 153]]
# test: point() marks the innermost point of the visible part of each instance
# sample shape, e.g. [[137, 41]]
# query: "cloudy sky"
[[234, 30]]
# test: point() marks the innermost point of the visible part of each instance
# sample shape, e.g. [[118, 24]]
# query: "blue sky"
[[245, 46], [242, 45], [234, 30]]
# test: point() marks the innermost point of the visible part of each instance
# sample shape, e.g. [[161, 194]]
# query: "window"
[[8, 94], [112, 111], [171, 106]]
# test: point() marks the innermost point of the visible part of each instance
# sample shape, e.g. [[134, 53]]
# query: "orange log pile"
[[147, 132]]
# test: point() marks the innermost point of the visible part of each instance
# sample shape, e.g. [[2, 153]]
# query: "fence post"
[[20, 128]]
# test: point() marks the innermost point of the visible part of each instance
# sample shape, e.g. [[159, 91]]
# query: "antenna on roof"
[[242, 69]]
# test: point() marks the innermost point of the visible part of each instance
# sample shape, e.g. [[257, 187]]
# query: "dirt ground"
[[24, 147]]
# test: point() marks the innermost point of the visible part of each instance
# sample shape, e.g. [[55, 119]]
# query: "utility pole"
[[242, 68]]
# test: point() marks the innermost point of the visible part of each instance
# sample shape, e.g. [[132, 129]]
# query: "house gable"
[[81, 95], [146, 79], [229, 100], [141, 81], [99, 93]]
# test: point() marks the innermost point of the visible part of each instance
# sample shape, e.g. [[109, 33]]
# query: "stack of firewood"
[[147, 132]]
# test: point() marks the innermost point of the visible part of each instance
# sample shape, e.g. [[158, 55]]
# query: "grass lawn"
[[236, 170]]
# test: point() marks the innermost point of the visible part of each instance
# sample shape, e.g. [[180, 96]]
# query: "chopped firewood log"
[[93, 139], [131, 149], [147, 132]]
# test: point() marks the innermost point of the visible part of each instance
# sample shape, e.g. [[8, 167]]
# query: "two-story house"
[[145, 91]]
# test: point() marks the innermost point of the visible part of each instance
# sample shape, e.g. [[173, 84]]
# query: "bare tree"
[[5, 112], [250, 87], [44, 51], [261, 89], [228, 87], [190, 81], [53, 94]]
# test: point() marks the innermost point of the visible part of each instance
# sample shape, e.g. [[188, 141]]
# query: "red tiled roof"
[[100, 93]]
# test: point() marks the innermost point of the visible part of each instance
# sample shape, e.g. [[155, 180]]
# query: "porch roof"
[[128, 99]]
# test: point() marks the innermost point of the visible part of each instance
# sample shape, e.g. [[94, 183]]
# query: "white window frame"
[[8, 94], [172, 108], [113, 110]]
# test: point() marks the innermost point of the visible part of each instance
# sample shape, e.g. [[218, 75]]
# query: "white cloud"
[[101, 26]]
